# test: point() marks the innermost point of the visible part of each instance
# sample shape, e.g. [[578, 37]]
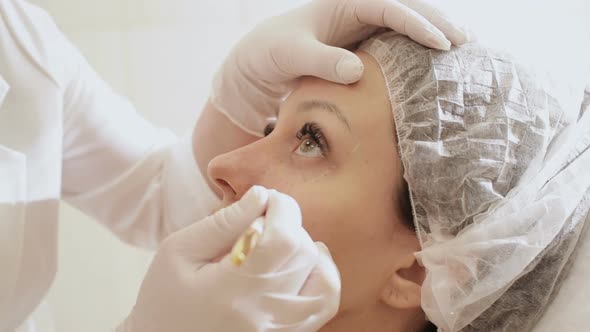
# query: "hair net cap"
[[496, 162]]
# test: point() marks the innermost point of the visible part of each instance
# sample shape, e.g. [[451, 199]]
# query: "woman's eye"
[[313, 143], [309, 148]]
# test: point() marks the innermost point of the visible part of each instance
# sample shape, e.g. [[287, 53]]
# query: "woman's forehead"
[[364, 104]]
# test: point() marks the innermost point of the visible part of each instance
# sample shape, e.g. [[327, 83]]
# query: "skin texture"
[[347, 195]]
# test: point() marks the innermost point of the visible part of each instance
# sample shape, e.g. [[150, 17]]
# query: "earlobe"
[[403, 288]]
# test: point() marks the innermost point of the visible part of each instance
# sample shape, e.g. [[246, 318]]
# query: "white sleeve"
[[138, 180]]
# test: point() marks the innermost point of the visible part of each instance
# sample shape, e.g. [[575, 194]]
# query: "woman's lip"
[[222, 204]]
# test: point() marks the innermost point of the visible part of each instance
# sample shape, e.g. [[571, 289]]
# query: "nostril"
[[225, 187]]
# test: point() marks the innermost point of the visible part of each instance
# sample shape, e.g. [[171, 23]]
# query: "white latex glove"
[[287, 283], [260, 69]]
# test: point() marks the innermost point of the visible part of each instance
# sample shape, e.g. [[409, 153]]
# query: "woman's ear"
[[403, 288]]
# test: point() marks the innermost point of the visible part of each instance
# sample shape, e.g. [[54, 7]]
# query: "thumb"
[[213, 236], [327, 62], [324, 279], [317, 302]]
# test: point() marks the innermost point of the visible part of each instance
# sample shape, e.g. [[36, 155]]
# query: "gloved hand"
[[287, 283], [260, 69]]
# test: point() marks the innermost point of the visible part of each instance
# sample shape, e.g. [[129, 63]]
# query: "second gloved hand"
[[288, 283]]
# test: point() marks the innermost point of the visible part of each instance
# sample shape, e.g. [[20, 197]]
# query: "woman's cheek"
[[318, 218], [299, 180], [317, 171]]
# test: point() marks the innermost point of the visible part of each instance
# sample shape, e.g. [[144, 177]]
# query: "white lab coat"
[[65, 134]]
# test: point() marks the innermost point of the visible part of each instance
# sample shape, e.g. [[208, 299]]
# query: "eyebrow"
[[316, 104]]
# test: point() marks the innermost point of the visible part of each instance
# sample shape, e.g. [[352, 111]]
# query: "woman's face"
[[333, 150]]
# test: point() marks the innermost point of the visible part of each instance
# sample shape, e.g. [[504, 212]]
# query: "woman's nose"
[[236, 171], [228, 192]]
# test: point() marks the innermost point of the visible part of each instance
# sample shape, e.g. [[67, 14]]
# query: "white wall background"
[[161, 54]]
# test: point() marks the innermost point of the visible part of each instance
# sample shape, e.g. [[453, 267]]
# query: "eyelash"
[[269, 128], [310, 130]]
